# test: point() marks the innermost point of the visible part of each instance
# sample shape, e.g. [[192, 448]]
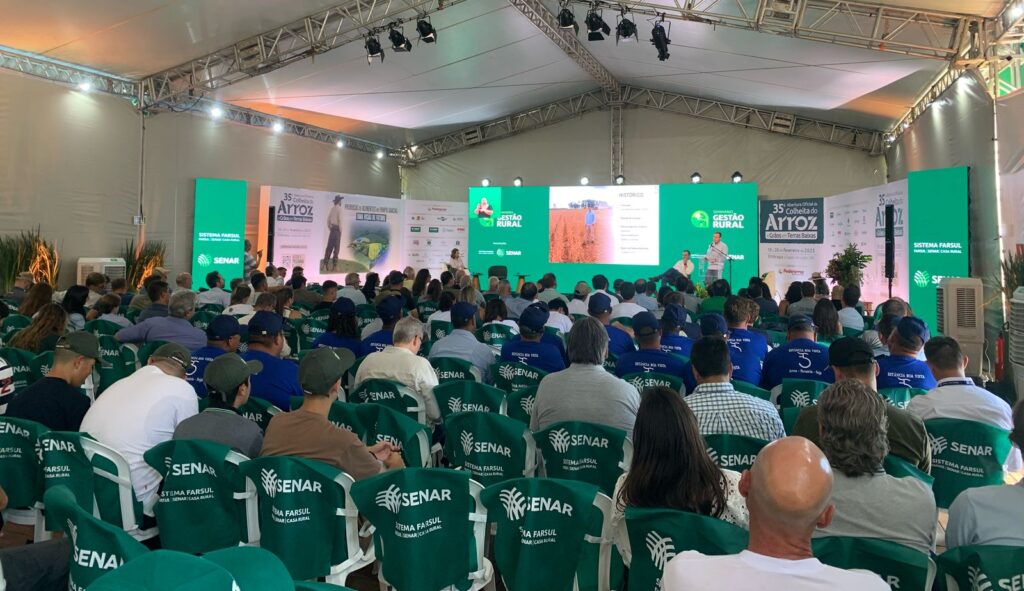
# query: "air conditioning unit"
[[1016, 344], [113, 268], [958, 307]]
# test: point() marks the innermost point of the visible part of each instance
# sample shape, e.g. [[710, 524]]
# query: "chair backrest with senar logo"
[[965, 454], [733, 452], [800, 393], [512, 376], [309, 329], [430, 528], [439, 329], [748, 388], [519, 404], [167, 570], [121, 361], [393, 395], [589, 452], [12, 324], [468, 395], [21, 474], [203, 318], [900, 468], [490, 446], [983, 568], [147, 349], [543, 526], [381, 423], [41, 365], [658, 535], [255, 409], [899, 566], [365, 315], [495, 335], [102, 327], [451, 369], [653, 379], [900, 397], [20, 361]]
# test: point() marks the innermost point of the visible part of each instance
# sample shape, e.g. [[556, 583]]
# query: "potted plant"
[[140, 261], [847, 266]]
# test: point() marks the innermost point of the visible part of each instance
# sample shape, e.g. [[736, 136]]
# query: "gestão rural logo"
[[700, 219]]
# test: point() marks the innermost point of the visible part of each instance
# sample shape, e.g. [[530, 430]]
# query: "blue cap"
[[912, 327], [534, 317], [344, 306], [222, 328], [462, 312], [645, 324], [712, 324], [800, 322], [674, 315], [265, 324], [599, 304], [390, 308]]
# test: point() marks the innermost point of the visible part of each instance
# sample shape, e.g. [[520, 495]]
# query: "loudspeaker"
[[270, 234], [890, 241]]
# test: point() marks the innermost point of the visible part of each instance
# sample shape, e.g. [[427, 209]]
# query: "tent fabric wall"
[[1010, 120], [658, 148]]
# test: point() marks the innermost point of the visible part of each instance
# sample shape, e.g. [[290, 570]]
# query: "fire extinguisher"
[[1000, 356]]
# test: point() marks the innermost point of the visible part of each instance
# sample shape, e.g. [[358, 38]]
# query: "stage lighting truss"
[[625, 29], [373, 49], [597, 28], [660, 36], [567, 18], [399, 42]]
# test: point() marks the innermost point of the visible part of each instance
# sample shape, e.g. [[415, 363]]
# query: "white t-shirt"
[[560, 321], [627, 309], [691, 571], [137, 413], [214, 295], [578, 307]]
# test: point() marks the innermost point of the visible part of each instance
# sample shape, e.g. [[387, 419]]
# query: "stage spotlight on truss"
[[660, 39], [567, 19], [399, 42], [485, 182], [517, 182], [620, 180], [626, 29], [277, 127], [737, 177], [695, 178], [340, 143], [596, 27], [373, 49], [380, 154], [426, 30], [584, 180], [85, 86], [216, 112]]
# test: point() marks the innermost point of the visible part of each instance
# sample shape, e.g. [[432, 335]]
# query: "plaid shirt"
[[721, 409]]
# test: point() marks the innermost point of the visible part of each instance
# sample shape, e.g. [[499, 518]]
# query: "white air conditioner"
[[958, 307], [112, 268]]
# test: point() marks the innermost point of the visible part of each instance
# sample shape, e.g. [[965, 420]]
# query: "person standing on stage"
[[684, 265], [718, 253], [334, 237], [591, 217]]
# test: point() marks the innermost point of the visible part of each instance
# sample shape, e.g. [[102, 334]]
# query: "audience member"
[[227, 388], [96, 283], [444, 309], [278, 381], [301, 294], [139, 411], [399, 362], [495, 312], [887, 315], [174, 328], [265, 302], [651, 357], [492, 285], [801, 358], [718, 292], [549, 288], [119, 287], [527, 296], [826, 319], [389, 311], [216, 293], [49, 324], [56, 400], [901, 368], [628, 307], [644, 300], [529, 348], [284, 298], [747, 349], [787, 492], [74, 304], [792, 296], [558, 316], [351, 290], [420, 283], [851, 359], [849, 315], [329, 293], [22, 283], [584, 391], [580, 295], [462, 344], [258, 281], [869, 503], [342, 328], [158, 298], [672, 319], [108, 309], [764, 300], [182, 282], [600, 284], [223, 335], [600, 308], [240, 298], [805, 305]]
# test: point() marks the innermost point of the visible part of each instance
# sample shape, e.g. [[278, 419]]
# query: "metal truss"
[[65, 73], [616, 138], [276, 48], [567, 41]]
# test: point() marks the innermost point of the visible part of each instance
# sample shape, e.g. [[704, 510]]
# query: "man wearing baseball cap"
[[223, 335], [462, 343], [390, 312], [650, 357], [672, 320], [851, 358], [55, 400], [279, 379], [800, 358], [226, 380], [901, 368], [138, 412], [529, 347], [600, 307], [305, 432]]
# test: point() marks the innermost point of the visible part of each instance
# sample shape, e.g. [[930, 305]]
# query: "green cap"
[[83, 343], [226, 372], [175, 353], [320, 368]]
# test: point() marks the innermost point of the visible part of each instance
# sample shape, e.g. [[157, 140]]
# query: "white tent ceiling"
[[489, 61]]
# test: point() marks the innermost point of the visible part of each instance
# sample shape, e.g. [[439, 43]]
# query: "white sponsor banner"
[[432, 230], [1011, 194]]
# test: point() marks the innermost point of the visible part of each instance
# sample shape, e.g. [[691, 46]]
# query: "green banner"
[[937, 207], [218, 240]]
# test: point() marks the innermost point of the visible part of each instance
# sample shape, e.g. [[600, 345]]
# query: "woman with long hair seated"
[[38, 296], [827, 320], [672, 469], [342, 328], [496, 312], [50, 323]]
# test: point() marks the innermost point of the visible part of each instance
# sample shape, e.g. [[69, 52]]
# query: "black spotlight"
[[737, 177], [626, 29], [566, 18], [596, 27], [517, 182], [399, 42], [426, 30], [620, 180], [373, 49], [660, 40]]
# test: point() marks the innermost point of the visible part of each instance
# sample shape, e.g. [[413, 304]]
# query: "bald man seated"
[[787, 491]]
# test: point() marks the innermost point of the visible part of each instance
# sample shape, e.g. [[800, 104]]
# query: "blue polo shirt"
[[329, 339], [650, 360], [555, 342], [900, 371], [676, 344], [619, 341], [801, 359], [747, 350], [277, 382], [543, 356], [377, 341], [200, 359]]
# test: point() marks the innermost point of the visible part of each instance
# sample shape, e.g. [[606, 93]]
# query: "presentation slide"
[[626, 232]]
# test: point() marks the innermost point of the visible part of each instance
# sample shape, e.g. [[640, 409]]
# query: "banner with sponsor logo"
[[791, 234], [218, 240], [432, 230]]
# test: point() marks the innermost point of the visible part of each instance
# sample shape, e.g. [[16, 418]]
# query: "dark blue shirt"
[[676, 344], [329, 339], [801, 359], [619, 341], [555, 342], [543, 356], [900, 371], [378, 341], [747, 350], [200, 359], [277, 382], [650, 360]]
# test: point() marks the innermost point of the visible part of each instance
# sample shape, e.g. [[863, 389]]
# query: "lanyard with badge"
[[957, 382]]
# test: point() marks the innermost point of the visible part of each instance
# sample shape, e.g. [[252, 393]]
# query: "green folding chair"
[[308, 330], [551, 330], [214, 309], [512, 376], [365, 315], [203, 503], [852, 332], [20, 361], [748, 388], [439, 329], [425, 309], [491, 447], [41, 365], [965, 454], [495, 335], [12, 324], [981, 568], [98, 547], [900, 468], [519, 404], [146, 350], [396, 396], [306, 517], [789, 416], [167, 570], [576, 317], [623, 320], [254, 569], [411, 437], [350, 375], [588, 452], [203, 318], [120, 359], [21, 474], [611, 362], [800, 393], [900, 397], [323, 314], [430, 528], [776, 338], [132, 314], [102, 327], [899, 566], [653, 379], [468, 395], [302, 306], [532, 516], [658, 535], [258, 411], [733, 452], [451, 369]]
